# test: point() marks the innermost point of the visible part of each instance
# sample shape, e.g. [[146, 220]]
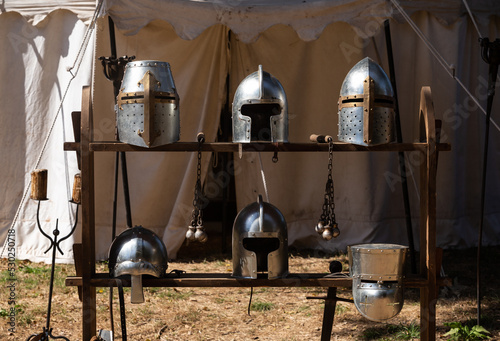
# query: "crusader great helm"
[[137, 251], [366, 106], [148, 105], [377, 279], [260, 241], [260, 109]]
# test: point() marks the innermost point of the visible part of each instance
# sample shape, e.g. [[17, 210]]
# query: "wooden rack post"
[[88, 218], [427, 281], [428, 294]]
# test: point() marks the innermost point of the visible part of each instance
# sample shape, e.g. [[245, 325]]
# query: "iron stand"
[[46, 334]]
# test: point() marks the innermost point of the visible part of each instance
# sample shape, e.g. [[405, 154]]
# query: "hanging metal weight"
[[196, 231], [327, 226]]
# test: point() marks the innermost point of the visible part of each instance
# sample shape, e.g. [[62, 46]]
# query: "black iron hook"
[[54, 242]]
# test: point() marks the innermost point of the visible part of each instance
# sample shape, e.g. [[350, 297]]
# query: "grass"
[[4, 276], [176, 295], [189, 317], [466, 332], [221, 313], [4, 312], [341, 309], [261, 306], [220, 300], [407, 332], [393, 332]]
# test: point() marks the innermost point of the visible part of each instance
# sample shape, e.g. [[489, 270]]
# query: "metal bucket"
[[377, 273]]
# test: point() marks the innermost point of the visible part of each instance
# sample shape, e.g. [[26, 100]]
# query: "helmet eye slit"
[[262, 247], [166, 97], [353, 100], [124, 98], [260, 114], [261, 109], [384, 101]]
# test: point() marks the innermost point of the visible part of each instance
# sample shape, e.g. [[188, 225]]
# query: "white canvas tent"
[[309, 46]]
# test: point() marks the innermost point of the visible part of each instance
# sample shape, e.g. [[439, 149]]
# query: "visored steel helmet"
[[260, 241], [148, 105], [260, 109], [366, 106], [137, 251], [377, 279]]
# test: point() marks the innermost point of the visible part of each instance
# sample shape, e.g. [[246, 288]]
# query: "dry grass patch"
[[221, 313]]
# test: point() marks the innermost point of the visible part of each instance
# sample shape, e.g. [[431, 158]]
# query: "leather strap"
[[121, 297]]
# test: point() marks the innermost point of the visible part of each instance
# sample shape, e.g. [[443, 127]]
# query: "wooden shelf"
[[109, 146], [221, 280], [226, 280]]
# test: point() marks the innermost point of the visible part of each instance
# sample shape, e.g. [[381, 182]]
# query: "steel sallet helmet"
[[137, 251], [377, 279], [366, 106], [260, 241], [260, 109], [148, 105]]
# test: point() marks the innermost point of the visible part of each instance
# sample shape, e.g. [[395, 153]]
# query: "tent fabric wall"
[[369, 205], [34, 75], [161, 184], [312, 73], [311, 66], [368, 194]]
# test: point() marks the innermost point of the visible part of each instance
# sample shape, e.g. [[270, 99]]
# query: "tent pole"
[[490, 52], [228, 193], [226, 226], [401, 155], [113, 70]]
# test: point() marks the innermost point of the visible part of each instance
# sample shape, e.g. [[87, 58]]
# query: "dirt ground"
[[222, 313]]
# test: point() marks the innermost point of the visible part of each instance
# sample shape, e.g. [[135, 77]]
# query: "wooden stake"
[[39, 184], [77, 189]]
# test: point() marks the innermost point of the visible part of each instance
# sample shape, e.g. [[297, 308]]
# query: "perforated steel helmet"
[[260, 109], [366, 106], [148, 105], [137, 251], [260, 241], [377, 279]]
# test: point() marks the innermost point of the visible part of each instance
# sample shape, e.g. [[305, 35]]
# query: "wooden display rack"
[[427, 281]]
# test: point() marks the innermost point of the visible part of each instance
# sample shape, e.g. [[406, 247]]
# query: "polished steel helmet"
[[260, 109], [377, 279], [148, 105], [260, 241], [366, 106], [137, 251]]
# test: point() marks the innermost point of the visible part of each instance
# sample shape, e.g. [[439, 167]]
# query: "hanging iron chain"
[[327, 226], [197, 210], [330, 187], [196, 231]]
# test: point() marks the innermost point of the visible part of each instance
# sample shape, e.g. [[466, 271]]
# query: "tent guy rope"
[[472, 18], [76, 65], [449, 68], [264, 182]]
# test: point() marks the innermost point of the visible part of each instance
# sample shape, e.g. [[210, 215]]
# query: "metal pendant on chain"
[[327, 226], [196, 231]]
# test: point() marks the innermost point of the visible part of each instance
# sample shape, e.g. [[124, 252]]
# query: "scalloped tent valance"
[[248, 18], [36, 11]]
